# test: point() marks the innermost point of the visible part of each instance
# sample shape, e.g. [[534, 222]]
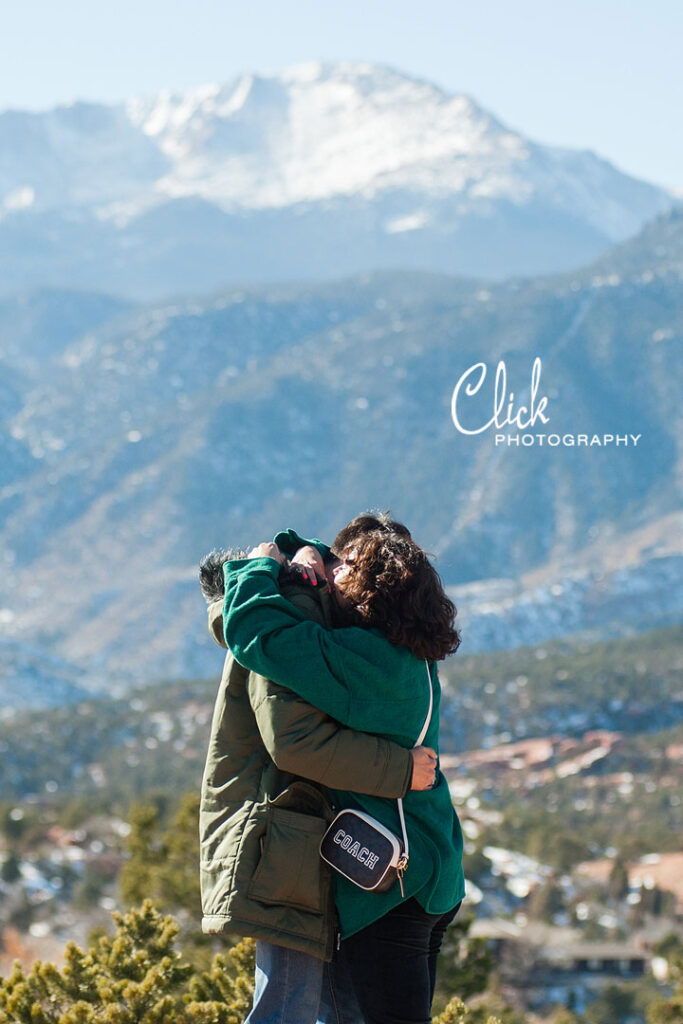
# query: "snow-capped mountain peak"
[[190, 189], [321, 130]]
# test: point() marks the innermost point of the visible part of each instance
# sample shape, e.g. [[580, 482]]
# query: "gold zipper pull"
[[400, 871]]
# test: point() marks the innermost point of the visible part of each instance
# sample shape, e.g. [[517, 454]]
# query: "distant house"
[[541, 965], [617, 959], [663, 870]]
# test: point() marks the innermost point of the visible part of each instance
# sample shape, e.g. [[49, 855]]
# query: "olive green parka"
[[260, 822]]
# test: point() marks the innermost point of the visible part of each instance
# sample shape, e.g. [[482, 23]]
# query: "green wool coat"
[[260, 826], [361, 680]]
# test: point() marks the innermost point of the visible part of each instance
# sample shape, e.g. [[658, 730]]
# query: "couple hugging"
[[323, 695]]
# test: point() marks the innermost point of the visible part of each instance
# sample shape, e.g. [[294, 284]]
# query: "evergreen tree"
[[11, 870], [546, 901], [137, 880], [465, 964], [618, 880], [564, 1016], [163, 865], [615, 1003], [669, 1011], [134, 977], [224, 994], [458, 1013]]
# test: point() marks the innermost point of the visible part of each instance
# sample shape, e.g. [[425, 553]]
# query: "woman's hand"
[[267, 550], [310, 559], [424, 768]]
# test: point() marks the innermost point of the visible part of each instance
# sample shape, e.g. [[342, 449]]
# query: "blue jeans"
[[297, 988]]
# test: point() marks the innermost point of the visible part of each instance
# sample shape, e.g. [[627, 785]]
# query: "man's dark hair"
[[212, 581], [211, 573]]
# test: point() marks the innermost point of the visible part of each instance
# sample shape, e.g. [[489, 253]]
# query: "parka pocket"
[[290, 871]]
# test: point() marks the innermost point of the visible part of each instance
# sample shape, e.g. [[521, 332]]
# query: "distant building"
[[663, 870], [542, 965]]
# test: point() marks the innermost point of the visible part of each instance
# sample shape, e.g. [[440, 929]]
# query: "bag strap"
[[420, 739], [418, 743]]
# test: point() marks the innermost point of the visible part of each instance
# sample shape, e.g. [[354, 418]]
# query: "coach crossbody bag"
[[364, 850]]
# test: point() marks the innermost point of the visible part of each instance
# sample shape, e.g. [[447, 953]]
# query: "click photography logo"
[[521, 423]]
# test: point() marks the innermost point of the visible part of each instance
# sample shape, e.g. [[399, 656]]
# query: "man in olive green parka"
[[264, 808]]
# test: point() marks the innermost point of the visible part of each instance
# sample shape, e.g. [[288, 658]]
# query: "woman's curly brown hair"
[[394, 587]]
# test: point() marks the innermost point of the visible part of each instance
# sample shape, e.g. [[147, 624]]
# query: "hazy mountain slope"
[[169, 429], [38, 325]]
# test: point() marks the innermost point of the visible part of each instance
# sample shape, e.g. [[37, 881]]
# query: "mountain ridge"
[[152, 433], [320, 171]]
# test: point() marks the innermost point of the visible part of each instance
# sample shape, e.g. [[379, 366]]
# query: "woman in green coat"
[[371, 676]]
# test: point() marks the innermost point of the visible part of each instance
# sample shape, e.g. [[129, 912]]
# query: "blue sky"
[[597, 74]]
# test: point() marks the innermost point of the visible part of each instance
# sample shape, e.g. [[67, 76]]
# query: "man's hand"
[[424, 767], [311, 561], [267, 550]]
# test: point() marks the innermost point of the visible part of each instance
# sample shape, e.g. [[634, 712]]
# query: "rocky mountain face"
[[138, 436], [322, 171]]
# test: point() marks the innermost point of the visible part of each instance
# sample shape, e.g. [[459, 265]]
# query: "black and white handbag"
[[364, 850]]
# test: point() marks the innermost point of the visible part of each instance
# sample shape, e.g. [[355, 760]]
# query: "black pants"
[[392, 964]]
